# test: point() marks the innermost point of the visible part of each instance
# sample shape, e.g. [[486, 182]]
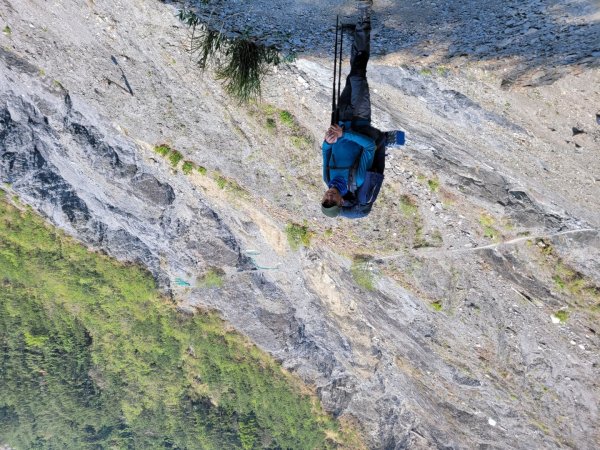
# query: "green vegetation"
[[287, 118], [175, 157], [297, 136], [270, 124], [426, 72], [213, 278], [489, 231], [187, 167], [298, 235], [94, 357], [562, 315], [7, 30], [220, 180], [408, 205], [162, 149], [301, 142], [434, 184], [240, 63], [437, 305], [362, 272], [442, 71], [202, 170]]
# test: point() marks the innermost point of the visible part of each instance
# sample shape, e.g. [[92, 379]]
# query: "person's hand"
[[333, 134]]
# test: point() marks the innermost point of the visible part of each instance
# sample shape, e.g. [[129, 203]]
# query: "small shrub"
[[286, 118], [162, 149], [213, 278], [187, 167], [202, 170], [7, 30], [426, 72], [298, 235], [270, 124], [437, 305], [562, 315], [175, 157]]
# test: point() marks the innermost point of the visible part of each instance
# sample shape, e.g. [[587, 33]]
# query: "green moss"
[[162, 149], [187, 167], [362, 273], [298, 235], [93, 356], [287, 118], [175, 157]]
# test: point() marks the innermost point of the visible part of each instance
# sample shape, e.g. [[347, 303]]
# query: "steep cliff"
[[462, 314]]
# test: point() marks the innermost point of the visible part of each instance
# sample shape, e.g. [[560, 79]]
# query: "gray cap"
[[332, 211]]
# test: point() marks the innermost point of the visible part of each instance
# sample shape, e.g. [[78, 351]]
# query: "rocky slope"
[[442, 333]]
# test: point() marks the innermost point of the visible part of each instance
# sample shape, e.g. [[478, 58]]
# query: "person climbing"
[[353, 150]]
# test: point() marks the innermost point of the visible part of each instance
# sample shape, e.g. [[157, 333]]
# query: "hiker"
[[353, 150]]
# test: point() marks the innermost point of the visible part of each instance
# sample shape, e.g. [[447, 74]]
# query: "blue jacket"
[[339, 158]]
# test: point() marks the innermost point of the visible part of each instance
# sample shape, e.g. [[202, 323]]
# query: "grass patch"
[[298, 235], [221, 181], [301, 142], [187, 167], [408, 205], [562, 315], [202, 170], [442, 71], [437, 305], [162, 150], [213, 278], [426, 72], [175, 157], [434, 184], [362, 272], [92, 353], [489, 231], [287, 118]]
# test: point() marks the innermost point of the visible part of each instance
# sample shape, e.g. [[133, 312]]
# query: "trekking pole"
[[339, 92], [335, 64]]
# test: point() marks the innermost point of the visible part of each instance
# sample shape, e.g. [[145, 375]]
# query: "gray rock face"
[[88, 180], [456, 345]]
